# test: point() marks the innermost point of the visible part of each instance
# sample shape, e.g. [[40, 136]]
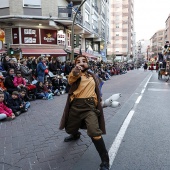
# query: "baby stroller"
[[31, 90]]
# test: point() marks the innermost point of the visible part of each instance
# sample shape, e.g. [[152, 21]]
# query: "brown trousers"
[[83, 109]]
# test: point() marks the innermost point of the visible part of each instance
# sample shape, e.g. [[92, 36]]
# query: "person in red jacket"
[[4, 110]]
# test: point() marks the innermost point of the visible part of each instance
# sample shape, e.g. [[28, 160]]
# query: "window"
[[87, 16], [4, 3], [32, 3], [117, 26], [117, 49]]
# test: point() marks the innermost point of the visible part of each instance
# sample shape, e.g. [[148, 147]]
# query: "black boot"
[[72, 137], [100, 147]]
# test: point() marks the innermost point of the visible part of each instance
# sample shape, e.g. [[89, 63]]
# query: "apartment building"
[[157, 42], [40, 27], [167, 29], [122, 27]]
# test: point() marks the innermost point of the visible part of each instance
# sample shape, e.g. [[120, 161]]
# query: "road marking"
[[138, 99], [118, 140], [155, 89], [116, 144]]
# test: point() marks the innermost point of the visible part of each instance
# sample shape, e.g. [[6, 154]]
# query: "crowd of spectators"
[[22, 81]]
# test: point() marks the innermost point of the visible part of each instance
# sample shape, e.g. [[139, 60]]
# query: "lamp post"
[[72, 31]]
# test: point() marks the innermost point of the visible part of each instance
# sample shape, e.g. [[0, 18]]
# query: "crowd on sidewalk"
[[25, 80]]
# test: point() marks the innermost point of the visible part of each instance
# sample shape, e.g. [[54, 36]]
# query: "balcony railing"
[[103, 15], [96, 8], [67, 13]]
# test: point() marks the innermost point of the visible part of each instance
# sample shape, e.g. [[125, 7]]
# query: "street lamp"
[[72, 31]]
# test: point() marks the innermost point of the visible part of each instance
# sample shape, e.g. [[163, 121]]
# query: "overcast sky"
[[149, 17]]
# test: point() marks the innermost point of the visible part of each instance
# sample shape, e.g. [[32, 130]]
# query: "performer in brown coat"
[[83, 108]]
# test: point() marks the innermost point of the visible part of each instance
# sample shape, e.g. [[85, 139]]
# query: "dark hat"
[[18, 72], [15, 93]]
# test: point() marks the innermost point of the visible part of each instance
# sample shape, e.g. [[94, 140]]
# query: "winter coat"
[[14, 104], [26, 72], [18, 81], [9, 82], [74, 86], [4, 109], [40, 69]]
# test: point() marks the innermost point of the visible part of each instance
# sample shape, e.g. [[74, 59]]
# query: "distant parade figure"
[[83, 108], [157, 66], [145, 66], [151, 67]]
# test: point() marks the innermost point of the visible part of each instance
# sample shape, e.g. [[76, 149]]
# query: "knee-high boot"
[[100, 147]]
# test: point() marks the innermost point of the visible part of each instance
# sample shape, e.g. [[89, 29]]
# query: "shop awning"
[[33, 51], [90, 55], [2, 51], [87, 55]]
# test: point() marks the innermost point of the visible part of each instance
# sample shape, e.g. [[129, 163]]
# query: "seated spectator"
[[58, 85], [48, 89], [41, 92], [5, 63], [15, 103], [9, 81], [13, 64], [24, 99], [4, 110], [25, 71], [19, 81], [3, 89]]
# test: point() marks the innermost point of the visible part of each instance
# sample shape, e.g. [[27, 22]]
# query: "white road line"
[[116, 144], [118, 140], [138, 99]]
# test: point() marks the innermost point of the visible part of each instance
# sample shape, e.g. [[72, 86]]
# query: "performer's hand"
[[77, 69]]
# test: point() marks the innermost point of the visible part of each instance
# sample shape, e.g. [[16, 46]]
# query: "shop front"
[[35, 42]]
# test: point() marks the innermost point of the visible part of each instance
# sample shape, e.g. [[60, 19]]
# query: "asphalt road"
[[33, 140]]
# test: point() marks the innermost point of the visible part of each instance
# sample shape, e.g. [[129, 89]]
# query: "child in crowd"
[[4, 110], [41, 92], [19, 81], [58, 85], [48, 89], [15, 103], [24, 99], [3, 89]]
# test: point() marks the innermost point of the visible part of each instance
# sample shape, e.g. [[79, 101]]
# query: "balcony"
[[75, 2], [103, 15], [68, 13], [96, 8], [103, 35]]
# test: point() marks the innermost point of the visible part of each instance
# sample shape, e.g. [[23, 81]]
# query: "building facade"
[[167, 29], [40, 27], [157, 42], [122, 27]]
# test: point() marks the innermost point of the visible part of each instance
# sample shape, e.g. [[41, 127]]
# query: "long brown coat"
[[99, 107]]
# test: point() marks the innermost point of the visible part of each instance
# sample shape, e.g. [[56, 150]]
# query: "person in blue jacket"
[[41, 67]]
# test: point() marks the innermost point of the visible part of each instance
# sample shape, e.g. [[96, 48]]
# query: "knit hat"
[[15, 93], [1, 77], [81, 56], [18, 72]]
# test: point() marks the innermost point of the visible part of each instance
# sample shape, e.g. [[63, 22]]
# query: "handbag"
[[46, 71]]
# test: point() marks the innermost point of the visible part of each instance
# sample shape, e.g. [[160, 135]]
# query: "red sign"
[[48, 36], [15, 35], [30, 36]]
